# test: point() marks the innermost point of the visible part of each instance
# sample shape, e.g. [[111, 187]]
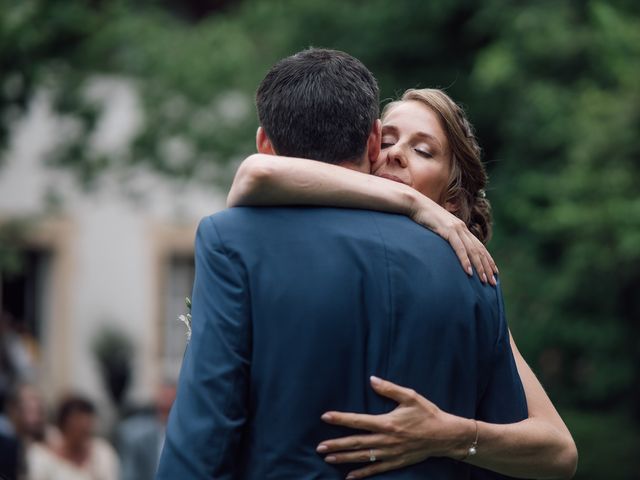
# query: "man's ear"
[[374, 141], [263, 144]]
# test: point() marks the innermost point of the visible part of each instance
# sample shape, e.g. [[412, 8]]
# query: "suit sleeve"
[[503, 399], [206, 422]]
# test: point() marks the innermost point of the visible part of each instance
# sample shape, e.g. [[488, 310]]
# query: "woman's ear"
[[263, 144]]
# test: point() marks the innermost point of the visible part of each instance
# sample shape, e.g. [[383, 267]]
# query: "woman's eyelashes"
[[419, 150], [423, 153]]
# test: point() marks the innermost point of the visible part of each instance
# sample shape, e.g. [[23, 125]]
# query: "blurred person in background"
[[78, 454], [24, 426], [140, 438], [27, 409], [17, 366], [17, 355]]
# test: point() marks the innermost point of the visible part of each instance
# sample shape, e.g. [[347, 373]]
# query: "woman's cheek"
[[375, 165]]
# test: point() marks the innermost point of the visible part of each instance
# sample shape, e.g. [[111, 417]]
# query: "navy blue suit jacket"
[[293, 310]]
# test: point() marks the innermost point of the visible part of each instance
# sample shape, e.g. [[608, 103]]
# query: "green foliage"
[[568, 211], [38, 37], [610, 437], [12, 234], [552, 87]]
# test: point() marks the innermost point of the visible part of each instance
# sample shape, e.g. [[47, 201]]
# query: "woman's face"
[[415, 150]]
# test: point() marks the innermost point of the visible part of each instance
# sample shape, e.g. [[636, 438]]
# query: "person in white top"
[[79, 454]]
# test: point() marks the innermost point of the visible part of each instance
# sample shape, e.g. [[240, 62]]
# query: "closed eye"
[[423, 153], [386, 145]]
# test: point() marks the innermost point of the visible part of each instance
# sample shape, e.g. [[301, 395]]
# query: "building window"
[[180, 274], [24, 294], [25, 303]]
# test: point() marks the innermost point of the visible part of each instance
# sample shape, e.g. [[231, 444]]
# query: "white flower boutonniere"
[[186, 319]]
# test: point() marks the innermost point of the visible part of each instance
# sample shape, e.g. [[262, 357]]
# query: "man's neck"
[[364, 166]]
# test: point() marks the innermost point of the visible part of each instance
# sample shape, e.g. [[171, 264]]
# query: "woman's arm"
[[272, 180], [540, 446]]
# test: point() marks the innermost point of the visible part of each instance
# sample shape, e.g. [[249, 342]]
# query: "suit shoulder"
[[235, 227], [398, 229], [245, 219], [207, 228], [235, 216]]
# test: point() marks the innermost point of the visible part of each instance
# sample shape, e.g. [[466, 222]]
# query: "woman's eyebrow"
[[429, 137], [388, 128]]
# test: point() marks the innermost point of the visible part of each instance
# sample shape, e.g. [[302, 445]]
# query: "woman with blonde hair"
[[429, 169]]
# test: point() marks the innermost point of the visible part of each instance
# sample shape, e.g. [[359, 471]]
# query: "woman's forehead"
[[414, 117]]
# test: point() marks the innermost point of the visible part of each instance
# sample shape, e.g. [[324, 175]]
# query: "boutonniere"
[[186, 319]]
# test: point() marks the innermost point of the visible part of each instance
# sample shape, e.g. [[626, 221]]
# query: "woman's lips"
[[391, 177]]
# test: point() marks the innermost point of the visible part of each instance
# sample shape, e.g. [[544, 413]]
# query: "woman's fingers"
[[358, 421], [375, 468], [476, 257], [482, 260], [359, 456], [372, 423], [470, 251], [390, 390], [460, 249], [494, 267], [488, 270], [354, 442], [490, 264]]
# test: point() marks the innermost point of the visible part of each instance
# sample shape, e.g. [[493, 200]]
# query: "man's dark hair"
[[71, 405], [318, 104]]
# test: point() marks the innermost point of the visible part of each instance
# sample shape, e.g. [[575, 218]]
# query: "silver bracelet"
[[473, 449]]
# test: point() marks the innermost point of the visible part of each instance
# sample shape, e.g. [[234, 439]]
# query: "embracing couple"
[[347, 342]]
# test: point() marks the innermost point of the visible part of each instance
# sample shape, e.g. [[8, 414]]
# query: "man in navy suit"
[[294, 308]]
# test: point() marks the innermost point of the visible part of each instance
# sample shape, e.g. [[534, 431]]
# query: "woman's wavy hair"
[[468, 177]]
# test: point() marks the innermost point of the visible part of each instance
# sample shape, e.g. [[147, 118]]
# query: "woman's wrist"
[[465, 434], [473, 447], [420, 207]]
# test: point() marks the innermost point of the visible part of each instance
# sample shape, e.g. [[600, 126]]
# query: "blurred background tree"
[[552, 87]]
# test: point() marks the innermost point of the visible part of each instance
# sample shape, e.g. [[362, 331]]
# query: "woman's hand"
[[416, 430], [469, 249], [536, 447]]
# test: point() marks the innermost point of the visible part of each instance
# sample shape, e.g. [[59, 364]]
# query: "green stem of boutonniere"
[[186, 319]]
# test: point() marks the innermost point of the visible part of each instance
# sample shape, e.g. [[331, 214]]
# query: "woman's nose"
[[396, 154]]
